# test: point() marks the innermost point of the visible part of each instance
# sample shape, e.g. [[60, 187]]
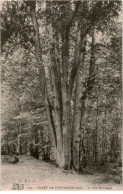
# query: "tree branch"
[[74, 14]]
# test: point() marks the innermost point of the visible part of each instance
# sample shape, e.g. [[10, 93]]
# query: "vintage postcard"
[[61, 95]]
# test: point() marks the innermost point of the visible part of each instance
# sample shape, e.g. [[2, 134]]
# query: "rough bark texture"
[[66, 100], [51, 122], [19, 148], [57, 109], [78, 104], [88, 87], [90, 80], [42, 80], [38, 50]]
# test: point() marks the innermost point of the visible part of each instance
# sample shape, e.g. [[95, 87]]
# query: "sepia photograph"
[[61, 95]]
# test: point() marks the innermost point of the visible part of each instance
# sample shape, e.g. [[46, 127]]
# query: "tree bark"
[[42, 80], [78, 103], [57, 109], [66, 100], [38, 49], [19, 147], [88, 87]]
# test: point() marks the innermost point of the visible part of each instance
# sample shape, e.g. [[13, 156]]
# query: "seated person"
[[15, 159]]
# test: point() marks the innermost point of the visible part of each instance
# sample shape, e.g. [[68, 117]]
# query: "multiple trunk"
[[65, 131], [78, 104]]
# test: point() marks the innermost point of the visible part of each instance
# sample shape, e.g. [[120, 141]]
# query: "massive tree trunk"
[[61, 101], [59, 117], [54, 78], [61, 104]]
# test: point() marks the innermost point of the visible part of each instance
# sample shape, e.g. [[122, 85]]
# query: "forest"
[[61, 81]]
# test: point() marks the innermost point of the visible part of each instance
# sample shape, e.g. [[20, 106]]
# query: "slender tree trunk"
[[38, 50], [51, 124], [81, 94], [19, 147], [58, 122], [66, 100], [78, 104], [96, 136], [42, 76]]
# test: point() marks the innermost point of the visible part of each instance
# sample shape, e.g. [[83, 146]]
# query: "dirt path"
[[37, 175]]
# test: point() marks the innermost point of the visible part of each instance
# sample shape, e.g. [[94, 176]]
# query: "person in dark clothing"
[[15, 159], [36, 153]]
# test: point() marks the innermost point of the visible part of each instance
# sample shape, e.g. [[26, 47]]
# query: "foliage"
[[62, 71]]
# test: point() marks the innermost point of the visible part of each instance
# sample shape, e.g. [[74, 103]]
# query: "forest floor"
[[38, 175]]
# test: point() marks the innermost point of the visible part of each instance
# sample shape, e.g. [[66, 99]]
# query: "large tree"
[[57, 33]]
